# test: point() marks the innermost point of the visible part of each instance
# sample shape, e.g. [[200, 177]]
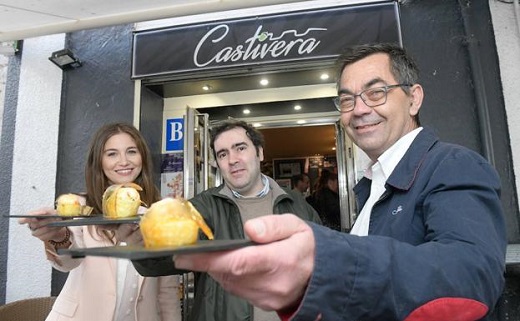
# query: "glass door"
[[346, 177], [197, 170], [196, 153]]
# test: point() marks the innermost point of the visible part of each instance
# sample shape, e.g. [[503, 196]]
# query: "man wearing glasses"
[[429, 242]]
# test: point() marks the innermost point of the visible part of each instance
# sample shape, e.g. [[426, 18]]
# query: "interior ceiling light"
[[301, 121], [257, 125], [297, 107], [65, 59], [246, 111], [333, 148], [324, 76], [206, 87], [264, 82]]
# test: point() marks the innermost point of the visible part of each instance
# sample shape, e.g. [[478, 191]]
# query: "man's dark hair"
[[402, 65], [297, 178], [256, 137]]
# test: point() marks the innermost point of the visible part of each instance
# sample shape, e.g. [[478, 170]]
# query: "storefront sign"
[[304, 36], [174, 135]]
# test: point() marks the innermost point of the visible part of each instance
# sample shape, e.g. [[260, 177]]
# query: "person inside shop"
[[325, 200], [319, 184], [245, 194], [301, 183], [429, 242], [103, 288]]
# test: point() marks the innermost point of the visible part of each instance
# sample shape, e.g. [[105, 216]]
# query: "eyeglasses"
[[372, 97]]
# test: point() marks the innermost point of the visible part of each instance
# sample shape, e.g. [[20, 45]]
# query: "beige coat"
[[90, 290]]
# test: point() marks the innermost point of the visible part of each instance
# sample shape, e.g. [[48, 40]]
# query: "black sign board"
[[303, 36]]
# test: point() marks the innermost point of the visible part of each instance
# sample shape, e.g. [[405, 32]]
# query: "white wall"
[[34, 164], [4, 60], [507, 36]]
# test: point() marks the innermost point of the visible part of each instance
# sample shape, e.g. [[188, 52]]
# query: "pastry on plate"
[[172, 222]]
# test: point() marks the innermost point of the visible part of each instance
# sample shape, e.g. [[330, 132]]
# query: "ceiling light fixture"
[[206, 87], [297, 107], [264, 82], [246, 111], [324, 76], [257, 125], [300, 122], [65, 59]]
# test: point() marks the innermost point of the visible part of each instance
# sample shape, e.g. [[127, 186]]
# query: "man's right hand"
[[273, 275]]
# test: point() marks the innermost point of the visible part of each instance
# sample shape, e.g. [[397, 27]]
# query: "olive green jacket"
[[212, 302]]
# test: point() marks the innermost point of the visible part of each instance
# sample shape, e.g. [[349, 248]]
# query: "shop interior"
[[298, 126], [297, 148]]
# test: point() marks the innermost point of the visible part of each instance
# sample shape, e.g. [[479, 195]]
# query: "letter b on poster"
[[175, 135]]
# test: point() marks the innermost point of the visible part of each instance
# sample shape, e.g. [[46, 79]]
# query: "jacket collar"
[[224, 191], [406, 170]]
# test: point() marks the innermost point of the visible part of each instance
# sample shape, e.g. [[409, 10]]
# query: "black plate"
[[135, 252], [96, 220], [49, 216]]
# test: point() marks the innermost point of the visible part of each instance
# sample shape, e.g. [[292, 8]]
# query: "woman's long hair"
[[96, 180]]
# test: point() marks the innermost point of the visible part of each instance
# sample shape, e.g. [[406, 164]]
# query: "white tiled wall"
[[3, 76]]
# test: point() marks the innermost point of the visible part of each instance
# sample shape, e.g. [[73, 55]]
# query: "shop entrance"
[[291, 108], [305, 142], [294, 111]]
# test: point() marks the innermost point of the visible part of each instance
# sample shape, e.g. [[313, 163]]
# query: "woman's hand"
[[39, 228], [128, 233]]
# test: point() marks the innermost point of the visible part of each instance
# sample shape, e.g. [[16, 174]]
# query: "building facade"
[[468, 52]]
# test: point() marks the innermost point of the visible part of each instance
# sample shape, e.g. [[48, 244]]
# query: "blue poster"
[[175, 135]]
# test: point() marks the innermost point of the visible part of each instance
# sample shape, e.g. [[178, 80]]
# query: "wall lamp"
[[65, 59]]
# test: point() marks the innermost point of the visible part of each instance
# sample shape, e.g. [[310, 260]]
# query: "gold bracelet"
[[65, 240]]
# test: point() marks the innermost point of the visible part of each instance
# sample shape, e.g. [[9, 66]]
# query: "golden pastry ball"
[[172, 222], [121, 200], [68, 205]]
